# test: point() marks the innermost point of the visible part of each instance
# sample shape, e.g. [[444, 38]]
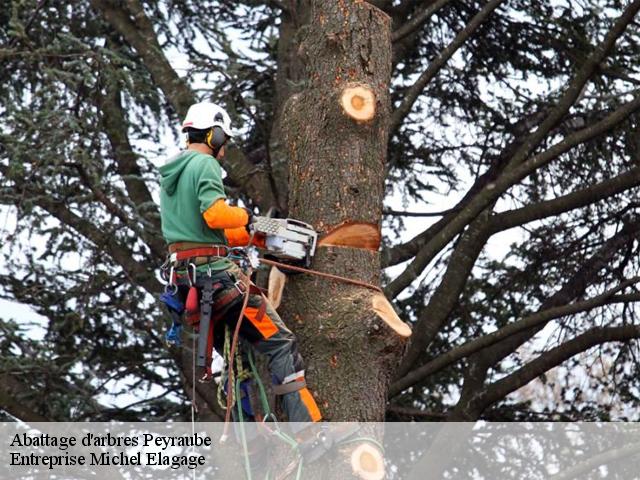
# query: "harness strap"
[[223, 302], [198, 252], [180, 246], [290, 387], [204, 354]]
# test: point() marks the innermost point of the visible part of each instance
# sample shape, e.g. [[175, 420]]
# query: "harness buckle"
[[240, 286]]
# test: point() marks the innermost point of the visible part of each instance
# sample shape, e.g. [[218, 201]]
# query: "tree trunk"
[[334, 129]]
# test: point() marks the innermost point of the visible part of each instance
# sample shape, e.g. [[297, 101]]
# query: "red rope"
[[330, 276], [232, 351]]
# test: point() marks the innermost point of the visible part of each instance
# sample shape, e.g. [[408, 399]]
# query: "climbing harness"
[[203, 313]]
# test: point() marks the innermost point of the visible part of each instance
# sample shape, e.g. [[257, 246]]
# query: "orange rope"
[[234, 342]]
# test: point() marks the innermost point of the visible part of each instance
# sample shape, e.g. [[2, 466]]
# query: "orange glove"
[[239, 237]]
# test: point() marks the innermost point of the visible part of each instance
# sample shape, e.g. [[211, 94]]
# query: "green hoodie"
[[190, 183]]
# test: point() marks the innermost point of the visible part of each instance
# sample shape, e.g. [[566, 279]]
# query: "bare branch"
[[553, 358], [418, 20], [535, 320], [493, 191], [581, 198], [412, 94]]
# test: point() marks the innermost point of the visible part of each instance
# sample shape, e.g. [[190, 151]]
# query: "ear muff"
[[215, 139]]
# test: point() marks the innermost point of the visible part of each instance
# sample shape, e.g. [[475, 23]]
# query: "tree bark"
[[336, 176]]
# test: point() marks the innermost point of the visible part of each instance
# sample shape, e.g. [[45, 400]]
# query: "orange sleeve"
[[222, 216], [239, 237]]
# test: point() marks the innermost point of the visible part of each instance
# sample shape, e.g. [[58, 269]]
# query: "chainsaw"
[[287, 239]]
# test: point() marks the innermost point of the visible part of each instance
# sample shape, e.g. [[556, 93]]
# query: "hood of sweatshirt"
[[170, 172]]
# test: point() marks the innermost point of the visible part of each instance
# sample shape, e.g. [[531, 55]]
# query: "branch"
[[537, 319], [136, 272], [156, 245], [14, 399], [479, 363], [462, 260], [445, 297], [580, 469], [418, 20], [576, 86], [494, 190], [415, 412], [447, 228], [579, 199], [27, 26], [412, 94], [278, 4], [553, 358], [115, 127], [407, 250], [397, 213], [140, 35]]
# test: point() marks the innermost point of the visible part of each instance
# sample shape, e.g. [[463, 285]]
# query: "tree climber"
[[200, 229]]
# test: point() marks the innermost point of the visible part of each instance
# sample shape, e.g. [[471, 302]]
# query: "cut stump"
[[359, 102], [356, 235], [367, 462]]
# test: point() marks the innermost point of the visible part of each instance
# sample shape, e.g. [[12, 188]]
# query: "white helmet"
[[204, 115]]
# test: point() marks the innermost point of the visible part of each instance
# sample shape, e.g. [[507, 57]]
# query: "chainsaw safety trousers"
[[269, 336]]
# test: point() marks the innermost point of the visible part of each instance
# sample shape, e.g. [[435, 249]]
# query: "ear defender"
[[215, 139]]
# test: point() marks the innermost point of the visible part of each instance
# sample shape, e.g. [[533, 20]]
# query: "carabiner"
[[171, 287], [195, 270], [163, 269]]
